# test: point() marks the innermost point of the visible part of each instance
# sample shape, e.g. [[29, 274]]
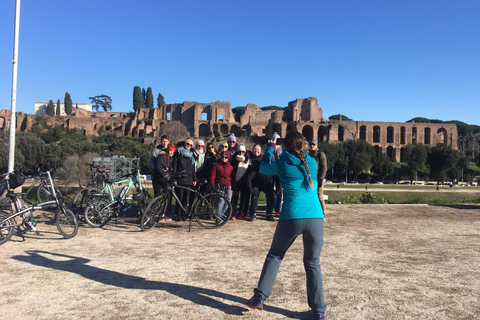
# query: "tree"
[[336, 117], [238, 112], [360, 156], [137, 98], [160, 100], [58, 108], [175, 130], [103, 101], [149, 98], [272, 108], [144, 97], [415, 156], [383, 166], [50, 108], [67, 102], [440, 160]]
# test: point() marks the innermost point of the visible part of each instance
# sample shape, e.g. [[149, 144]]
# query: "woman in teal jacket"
[[301, 214]]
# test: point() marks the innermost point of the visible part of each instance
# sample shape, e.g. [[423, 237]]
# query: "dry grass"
[[379, 262]]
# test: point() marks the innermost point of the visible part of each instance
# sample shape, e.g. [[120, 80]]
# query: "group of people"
[[291, 175], [227, 164]]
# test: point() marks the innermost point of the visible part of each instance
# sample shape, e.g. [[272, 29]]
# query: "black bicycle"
[[210, 209], [19, 218]]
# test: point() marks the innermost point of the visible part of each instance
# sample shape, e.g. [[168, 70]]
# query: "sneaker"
[[233, 218], [165, 217], [241, 217], [252, 218], [270, 217], [277, 213], [256, 302], [321, 315]]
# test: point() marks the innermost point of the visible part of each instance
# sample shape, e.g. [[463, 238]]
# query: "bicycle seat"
[[14, 195]]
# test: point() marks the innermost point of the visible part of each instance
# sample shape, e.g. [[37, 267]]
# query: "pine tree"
[[67, 103], [149, 98], [137, 98], [58, 108], [50, 108], [160, 100], [144, 97]]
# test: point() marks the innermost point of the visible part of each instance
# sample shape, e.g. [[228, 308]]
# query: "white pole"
[[11, 146]]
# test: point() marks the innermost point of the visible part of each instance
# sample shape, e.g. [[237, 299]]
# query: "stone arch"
[[427, 137], [203, 130], [363, 132], [341, 133], [235, 130], [390, 134], [403, 138], [442, 136], [376, 134], [307, 132], [402, 154], [277, 127], [224, 129], [323, 134], [391, 153]]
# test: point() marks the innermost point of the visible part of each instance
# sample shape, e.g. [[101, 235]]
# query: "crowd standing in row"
[[232, 167]]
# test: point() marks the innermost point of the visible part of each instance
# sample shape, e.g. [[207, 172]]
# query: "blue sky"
[[370, 60]]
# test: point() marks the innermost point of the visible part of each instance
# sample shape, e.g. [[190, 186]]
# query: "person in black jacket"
[[184, 175], [257, 183], [241, 164]]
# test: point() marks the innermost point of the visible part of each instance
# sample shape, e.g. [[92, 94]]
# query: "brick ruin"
[[216, 120]]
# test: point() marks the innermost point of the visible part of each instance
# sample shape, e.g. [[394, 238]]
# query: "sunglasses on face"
[[211, 147], [200, 146], [189, 144], [231, 142], [225, 157], [241, 151]]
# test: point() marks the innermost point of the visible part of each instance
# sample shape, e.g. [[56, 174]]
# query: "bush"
[[371, 198]]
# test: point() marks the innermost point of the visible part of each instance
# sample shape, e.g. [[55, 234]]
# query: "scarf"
[[187, 154], [200, 159]]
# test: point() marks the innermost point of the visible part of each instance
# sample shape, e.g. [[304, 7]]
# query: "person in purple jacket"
[[301, 214]]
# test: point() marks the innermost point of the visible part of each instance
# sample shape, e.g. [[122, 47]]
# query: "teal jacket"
[[299, 200]]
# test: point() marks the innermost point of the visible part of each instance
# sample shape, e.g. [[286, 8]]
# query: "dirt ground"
[[378, 261]]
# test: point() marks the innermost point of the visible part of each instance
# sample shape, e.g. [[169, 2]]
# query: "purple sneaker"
[[256, 302], [321, 315]]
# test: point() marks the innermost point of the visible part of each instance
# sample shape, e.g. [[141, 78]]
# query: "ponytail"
[[304, 161]]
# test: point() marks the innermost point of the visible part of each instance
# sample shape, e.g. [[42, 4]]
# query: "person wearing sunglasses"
[[223, 147], [232, 144], [199, 155], [241, 163], [321, 159], [183, 174], [223, 175]]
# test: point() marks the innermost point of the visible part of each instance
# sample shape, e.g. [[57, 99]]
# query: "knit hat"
[[172, 147], [242, 148], [232, 137], [313, 141]]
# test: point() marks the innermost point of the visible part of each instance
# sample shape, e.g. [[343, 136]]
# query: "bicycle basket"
[[16, 179]]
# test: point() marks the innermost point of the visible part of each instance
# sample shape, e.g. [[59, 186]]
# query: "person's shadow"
[[201, 296]]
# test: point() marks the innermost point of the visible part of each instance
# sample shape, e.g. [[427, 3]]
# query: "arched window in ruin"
[[341, 133], [402, 154], [203, 130], [277, 127], [215, 130], [402, 135], [390, 134], [224, 129], [378, 150], [363, 133], [427, 136], [307, 132], [442, 136], [376, 134], [323, 134], [235, 130], [391, 152], [414, 135]]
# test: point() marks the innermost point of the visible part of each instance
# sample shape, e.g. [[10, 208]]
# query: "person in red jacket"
[[223, 175]]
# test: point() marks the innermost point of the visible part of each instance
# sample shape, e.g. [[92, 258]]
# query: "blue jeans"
[[285, 234], [222, 205], [271, 198]]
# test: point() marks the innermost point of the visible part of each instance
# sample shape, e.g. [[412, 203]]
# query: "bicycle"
[[43, 191], [100, 206], [99, 176], [211, 209], [65, 220]]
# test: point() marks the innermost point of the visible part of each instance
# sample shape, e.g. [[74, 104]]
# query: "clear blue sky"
[[372, 60]]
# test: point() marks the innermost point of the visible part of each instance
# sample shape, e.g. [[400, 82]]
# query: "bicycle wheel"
[[83, 199], [155, 210], [66, 223], [213, 211], [6, 227], [97, 214], [44, 194]]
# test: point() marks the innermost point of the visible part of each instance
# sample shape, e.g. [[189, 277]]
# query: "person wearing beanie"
[[232, 144], [199, 155], [184, 174], [241, 163]]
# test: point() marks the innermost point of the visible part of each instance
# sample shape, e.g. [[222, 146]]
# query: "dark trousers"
[[182, 195], [244, 196], [271, 199], [285, 234]]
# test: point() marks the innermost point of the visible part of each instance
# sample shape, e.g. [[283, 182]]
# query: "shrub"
[[371, 198]]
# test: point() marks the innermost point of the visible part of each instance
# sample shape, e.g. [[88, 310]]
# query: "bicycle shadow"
[[197, 295]]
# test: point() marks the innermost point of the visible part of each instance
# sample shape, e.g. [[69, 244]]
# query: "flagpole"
[[11, 146]]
